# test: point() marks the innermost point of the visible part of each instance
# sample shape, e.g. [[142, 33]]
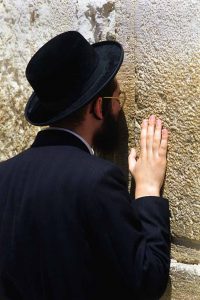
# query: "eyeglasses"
[[121, 99]]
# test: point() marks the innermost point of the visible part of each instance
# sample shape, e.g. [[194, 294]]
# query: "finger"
[[157, 136], [133, 153], [143, 136], [150, 133], [164, 142], [132, 159]]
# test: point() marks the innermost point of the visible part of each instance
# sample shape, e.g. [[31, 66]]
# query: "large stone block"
[[25, 26], [183, 283], [167, 84]]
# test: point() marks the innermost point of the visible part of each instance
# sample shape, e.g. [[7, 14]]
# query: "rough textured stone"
[[189, 254], [168, 78], [184, 282], [96, 19], [167, 84], [25, 26], [160, 75], [124, 34]]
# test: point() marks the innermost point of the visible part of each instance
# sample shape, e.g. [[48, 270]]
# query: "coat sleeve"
[[131, 237]]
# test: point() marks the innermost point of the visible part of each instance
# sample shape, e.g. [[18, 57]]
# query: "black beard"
[[106, 139]]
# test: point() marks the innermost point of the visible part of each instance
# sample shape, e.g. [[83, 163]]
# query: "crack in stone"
[[92, 15], [186, 242], [106, 9], [33, 16]]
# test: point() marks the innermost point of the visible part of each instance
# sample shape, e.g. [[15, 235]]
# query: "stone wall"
[[160, 74]]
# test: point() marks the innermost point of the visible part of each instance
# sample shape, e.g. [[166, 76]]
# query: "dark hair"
[[77, 117]]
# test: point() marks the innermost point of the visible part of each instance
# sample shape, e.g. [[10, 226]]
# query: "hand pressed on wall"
[[150, 168]]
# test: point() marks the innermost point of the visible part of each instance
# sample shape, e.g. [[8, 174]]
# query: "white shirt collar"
[[74, 133]]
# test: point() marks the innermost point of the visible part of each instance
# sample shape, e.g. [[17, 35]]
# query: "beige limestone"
[[168, 78], [25, 26], [167, 84], [183, 283], [160, 74]]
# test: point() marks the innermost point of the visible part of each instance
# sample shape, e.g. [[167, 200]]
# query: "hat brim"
[[110, 59]]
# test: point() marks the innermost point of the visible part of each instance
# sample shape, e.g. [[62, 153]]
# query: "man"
[[69, 228]]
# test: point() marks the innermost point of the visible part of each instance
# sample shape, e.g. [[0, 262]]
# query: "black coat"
[[69, 229]]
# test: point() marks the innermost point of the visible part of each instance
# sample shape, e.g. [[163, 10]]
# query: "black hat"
[[66, 73]]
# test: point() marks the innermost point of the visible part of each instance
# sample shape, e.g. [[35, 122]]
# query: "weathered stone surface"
[[189, 254], [168, 78], [167, 84], [184, 282], [96, 19], [126, 76], [25, 26], [160, 75]]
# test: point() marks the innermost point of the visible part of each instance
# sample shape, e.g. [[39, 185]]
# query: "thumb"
[[132, 159]]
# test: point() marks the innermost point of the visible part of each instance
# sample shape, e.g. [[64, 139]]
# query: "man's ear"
[[97, 109]]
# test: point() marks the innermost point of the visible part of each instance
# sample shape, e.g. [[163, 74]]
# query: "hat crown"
[[61, 67]]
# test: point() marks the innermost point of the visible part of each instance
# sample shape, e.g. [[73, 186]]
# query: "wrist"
[[143, 191]]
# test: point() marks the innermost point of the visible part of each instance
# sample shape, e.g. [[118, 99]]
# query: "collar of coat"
[[56, 137]]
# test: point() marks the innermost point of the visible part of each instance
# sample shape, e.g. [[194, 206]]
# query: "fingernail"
[[144, 122], [152, 117], [164, 131], [158, 122]]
